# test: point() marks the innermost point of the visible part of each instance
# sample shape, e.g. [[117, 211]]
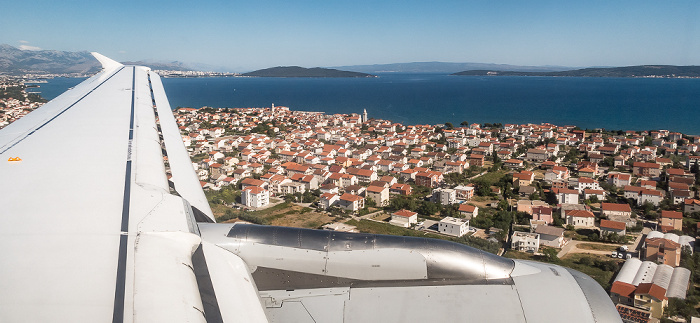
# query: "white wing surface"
[[91, 229]]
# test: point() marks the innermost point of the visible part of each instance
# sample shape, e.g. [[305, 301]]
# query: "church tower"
[[364, 116]]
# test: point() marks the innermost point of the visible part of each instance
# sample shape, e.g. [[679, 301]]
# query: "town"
[[15, 102], [620, 206]]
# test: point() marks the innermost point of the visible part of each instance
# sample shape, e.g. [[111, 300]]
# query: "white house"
[[619, 179], [551, 236], [468, 211], [404, 218], [580, 218], [464, 192], [378, 194], [589, 193], [328, 199], [566, 196], [587, 183], [453, 226], [652, 196], [351, 202], [254, 196], [445, 196], [525, 241], [607, 226]]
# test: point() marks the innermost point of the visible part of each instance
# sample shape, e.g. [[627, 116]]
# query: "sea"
[[590, 103]]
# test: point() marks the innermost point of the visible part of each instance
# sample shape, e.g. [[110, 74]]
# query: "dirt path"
[[571, 247]]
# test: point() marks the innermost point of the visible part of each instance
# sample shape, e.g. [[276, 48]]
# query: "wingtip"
[[107, 63]]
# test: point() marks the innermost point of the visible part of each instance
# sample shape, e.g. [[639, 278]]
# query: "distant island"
[[296, 71], [648, 71], [445, 68]]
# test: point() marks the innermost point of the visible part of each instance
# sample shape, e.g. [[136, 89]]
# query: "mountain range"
[[296, 71], [15, 61]]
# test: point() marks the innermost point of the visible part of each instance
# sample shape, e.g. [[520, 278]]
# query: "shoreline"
[[593, 103]]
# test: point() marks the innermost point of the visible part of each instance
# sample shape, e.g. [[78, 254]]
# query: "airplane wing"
[[94, 231]]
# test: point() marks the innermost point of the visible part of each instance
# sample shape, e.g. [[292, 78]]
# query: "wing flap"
[[233, 283], [149, 168], [165, 286], [183, 175]]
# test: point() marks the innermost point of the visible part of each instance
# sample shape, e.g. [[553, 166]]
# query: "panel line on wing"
[[120, 289], [17, 141]]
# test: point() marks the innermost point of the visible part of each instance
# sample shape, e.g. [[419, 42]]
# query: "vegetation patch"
[[593, 246], [367, 226], [284, 214]]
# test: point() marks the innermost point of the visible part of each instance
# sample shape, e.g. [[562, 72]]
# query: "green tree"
[[429, 208], [680, 307], [369, 202], [550, 255]]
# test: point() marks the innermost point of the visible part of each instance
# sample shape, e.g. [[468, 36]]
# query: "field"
[[285, 214], [491, 178], [600, 247]]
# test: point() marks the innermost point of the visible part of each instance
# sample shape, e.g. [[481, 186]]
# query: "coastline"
[[587, 102]]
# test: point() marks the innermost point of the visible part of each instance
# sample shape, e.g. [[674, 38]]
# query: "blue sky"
[[247, 35]]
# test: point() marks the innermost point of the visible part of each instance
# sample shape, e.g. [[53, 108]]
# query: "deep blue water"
[[611, 103]]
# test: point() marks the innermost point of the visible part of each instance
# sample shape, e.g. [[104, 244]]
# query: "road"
[[572, 248], [477, 175], [368, 216]]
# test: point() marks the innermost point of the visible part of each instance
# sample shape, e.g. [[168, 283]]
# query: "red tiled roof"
[[376, 189], [668, 244], [646, 165], [350, 197], [621, 176], [653, 290], [252, 182], [564, 191], [466, 208], [652, 192], [254, 189], [404, 213], [580, 213], [616, 207], [623, 289], [327, 196], [617, 225], [671, 214], [675, 171]]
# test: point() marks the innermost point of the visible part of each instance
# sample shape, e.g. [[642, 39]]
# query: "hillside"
[[296, 71], [666, 71], [444, 67], [15, 61]]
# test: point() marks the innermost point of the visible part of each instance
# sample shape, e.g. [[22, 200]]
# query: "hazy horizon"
[[246, 36]]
